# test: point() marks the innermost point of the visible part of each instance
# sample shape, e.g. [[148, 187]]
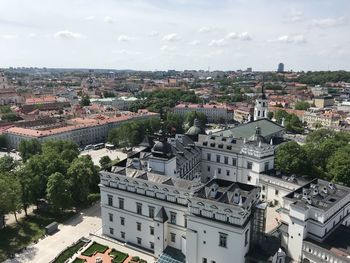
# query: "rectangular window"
[[110, 217], [218, 158], [263, 187], [151, 230], [151, 211], [185, 219], [249, 178], [208, 168], [246, 237], [226, 160], [139, 208], [219, 170], [249, 165], [111, 231], [122, 221], [173, 218], [234, 162], [151, 245], [110, 200], [276, 192], [228, 172], [139, 240], [208, 157], [266, 168], [122, 235], [173, 237], [138, 226], [222, 240], [121, 203], [204, 260]]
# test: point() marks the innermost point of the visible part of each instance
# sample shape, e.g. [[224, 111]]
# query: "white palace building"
[[199, 198]]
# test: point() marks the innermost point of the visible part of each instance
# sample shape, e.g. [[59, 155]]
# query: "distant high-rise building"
[[249, 70], [280, 67]]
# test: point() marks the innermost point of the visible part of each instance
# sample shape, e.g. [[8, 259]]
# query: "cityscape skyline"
[[175, 34]]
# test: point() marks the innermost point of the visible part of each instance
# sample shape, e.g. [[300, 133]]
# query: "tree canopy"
[[324, 155]]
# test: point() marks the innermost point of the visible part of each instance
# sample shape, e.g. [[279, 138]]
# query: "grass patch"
[[69, 252], [118, 257], [95, 247], [79, 260], [18, 236]]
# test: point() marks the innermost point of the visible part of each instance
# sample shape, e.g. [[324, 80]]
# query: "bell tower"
[[261, 104]]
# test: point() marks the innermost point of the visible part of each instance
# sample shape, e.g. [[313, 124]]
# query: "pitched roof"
[[161, 215], [247, 130]]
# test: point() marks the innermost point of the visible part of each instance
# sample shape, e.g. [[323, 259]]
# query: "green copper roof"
[[247, 130]]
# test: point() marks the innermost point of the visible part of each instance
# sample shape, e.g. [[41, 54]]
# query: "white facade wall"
[[205, 235]]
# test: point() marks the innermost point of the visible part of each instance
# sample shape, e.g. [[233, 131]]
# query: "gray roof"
[[161, 215], [247, 130]]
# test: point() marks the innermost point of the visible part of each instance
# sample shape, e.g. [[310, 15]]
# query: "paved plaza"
[[96, 155], [88, 221]]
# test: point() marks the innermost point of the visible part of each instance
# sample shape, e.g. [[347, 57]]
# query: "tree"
[[7, 164], [105, 162], [174, 123], [58, 191], [10, 117], [302, 105], [10, 195], [190, 116], [279, 115], [270, 115], [85, 100], [28, 148], [80, 176], [291, 158], [294, 124], [338, 166]]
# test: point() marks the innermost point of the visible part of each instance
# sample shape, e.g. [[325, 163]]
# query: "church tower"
[[261, 104]]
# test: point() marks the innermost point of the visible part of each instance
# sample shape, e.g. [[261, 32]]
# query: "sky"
[[176, 34]]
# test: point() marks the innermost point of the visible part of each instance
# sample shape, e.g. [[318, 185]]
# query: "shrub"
[[95, 247], [118, 257], [94, 197]]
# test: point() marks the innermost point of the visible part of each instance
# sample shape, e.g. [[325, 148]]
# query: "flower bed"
[[95, 247], [118, 257], [69, 252]]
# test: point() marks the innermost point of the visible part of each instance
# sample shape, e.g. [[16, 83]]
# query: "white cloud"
[[328, 22], [204, 29], [89, 18], [297, 39], [218, 42], [32, 35], [108, 19], [167, 48], [296, 15], [65, 34], [153, 33], [9, 36], [194, 42], [244, 36], [126, 52], [124, 38], [171, 37], [231, 35]]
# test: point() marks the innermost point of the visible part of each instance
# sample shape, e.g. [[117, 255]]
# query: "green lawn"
[[118, 257], [95, 247], [69, 252], [18, 236]]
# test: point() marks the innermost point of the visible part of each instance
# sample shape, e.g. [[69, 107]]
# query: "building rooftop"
[[338, 242], [228, 192], [318, 193], [247, 130]]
